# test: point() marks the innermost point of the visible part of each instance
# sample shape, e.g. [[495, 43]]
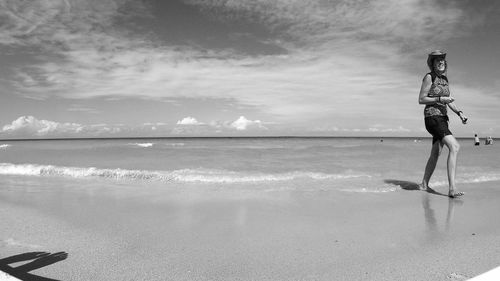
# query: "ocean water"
[[362, 165]]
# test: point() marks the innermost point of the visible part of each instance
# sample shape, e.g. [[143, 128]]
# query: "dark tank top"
[[439, 88]]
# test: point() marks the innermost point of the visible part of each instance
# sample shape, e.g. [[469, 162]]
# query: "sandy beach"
[[233, 140], [132, 233]]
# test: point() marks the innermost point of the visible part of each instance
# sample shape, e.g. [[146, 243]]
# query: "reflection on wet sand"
[[427, 197], [430, 215]]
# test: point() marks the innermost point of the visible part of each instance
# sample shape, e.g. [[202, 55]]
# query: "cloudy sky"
[[115, 68]]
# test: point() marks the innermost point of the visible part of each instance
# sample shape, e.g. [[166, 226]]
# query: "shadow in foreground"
[[409, 185], [37, 260]]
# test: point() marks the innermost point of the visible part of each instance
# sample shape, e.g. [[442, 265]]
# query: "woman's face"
[[440, 64]]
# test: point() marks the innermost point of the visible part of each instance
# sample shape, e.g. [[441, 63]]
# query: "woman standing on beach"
[[435, 94]]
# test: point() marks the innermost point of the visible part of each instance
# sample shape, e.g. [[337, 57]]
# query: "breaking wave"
[[145, 145], [477, 177], [182, 175]]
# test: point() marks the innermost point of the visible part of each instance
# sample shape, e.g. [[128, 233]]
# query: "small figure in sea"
[[488, 141], [435, 94], [476, 139]]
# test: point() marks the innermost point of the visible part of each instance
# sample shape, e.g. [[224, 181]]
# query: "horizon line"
[[224, 137]]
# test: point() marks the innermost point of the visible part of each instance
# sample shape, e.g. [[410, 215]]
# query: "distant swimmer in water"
[[476, 139], [435, 94]]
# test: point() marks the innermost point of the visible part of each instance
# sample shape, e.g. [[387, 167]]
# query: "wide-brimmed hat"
[[433, 55]]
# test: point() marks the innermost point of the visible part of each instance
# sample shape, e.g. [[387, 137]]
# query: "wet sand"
[[135, 233]]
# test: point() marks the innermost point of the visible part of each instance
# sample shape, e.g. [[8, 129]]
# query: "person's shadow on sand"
[[408, 185], [40, 259]]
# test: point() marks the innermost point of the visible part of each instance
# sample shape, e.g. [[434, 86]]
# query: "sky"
[[180, 68]]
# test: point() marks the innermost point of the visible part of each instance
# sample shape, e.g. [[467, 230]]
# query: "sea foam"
[[200, 175], [4, 146], [476, 177], [145, 145]]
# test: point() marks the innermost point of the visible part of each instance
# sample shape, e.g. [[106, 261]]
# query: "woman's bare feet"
[[455, 194], [423, 187]]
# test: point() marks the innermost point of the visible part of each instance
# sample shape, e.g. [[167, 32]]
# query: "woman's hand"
[[446, 100], [463, 118]]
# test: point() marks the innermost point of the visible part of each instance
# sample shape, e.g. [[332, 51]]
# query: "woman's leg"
[[453, 147], [431, 163]]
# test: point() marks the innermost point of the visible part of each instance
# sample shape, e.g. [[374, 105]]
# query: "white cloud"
[[189, 121], [345, 47], [217, 127], [242, 124], [29, 125]]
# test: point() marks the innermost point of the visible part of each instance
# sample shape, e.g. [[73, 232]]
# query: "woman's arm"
[[454, 107], [460, 114], [424, 90]]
